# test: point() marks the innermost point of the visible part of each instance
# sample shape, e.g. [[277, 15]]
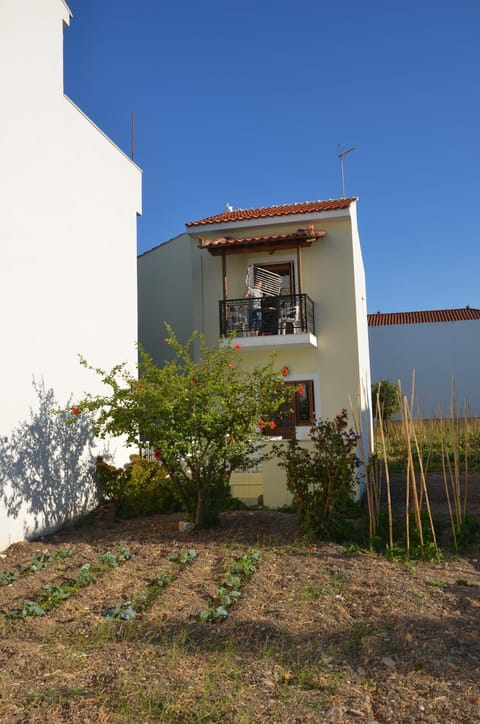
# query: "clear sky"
[[247, 103]]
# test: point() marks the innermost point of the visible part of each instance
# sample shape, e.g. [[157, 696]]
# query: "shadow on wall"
[[47, 466]]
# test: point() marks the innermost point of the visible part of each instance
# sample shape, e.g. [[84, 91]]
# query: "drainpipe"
[[299, 268], [224, 275]]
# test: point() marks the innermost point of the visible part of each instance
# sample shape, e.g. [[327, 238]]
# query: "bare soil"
[[318, 635]]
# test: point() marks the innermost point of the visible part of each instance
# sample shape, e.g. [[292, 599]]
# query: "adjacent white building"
[[69, 200], [442, 346]]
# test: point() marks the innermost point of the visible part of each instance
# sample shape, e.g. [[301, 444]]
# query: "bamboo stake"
[[413, 481], [387, 472], [450, 511], [424, 489]]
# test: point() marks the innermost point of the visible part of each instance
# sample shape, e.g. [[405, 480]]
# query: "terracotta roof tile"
[[381, 319], [307, 236], [271, 211]]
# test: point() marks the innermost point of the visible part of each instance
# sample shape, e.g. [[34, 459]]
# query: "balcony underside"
[[275, 341]]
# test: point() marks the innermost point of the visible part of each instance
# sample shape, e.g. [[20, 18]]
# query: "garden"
[[333, 610]]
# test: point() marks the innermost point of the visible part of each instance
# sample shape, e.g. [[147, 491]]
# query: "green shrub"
[[323, 480], [141, 488], [385, 393]]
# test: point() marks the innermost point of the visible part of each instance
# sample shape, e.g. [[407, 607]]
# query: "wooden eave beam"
[[257, 246]]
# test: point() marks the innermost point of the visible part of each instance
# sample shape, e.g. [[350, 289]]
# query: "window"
[[299, 411]]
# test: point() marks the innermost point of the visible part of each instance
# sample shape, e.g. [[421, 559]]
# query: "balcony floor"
[[276, 341]]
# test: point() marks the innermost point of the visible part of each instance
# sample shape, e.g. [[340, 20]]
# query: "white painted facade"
[[183, 284], [438, 352], [69, 199]]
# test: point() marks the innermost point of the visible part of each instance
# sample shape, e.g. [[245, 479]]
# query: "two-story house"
[[287, 278], [69, 199]]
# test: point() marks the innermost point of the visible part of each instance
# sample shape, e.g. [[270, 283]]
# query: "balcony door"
[[286, 271]]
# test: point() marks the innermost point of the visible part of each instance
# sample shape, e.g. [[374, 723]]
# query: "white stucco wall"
[[69, 199], [435, 351], [165, 294]]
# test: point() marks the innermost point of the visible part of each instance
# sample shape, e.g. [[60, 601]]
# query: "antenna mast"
[[341, 155]]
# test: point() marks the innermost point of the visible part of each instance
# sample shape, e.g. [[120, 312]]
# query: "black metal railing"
[[285, 314]]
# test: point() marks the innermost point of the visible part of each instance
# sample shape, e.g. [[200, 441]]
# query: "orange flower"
[[167, 340], [75, 411], [231, 365], [272, 425], [300, 389], [284, 371], [261, 424]]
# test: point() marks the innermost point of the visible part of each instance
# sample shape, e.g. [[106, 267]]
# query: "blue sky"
[[248, 102]]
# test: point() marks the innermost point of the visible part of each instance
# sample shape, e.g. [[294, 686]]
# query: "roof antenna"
[[341, 155]]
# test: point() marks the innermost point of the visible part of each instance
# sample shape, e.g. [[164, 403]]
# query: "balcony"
[[285, 320]]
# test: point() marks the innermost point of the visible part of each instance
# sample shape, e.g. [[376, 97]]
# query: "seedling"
[[184, 557], [122, 611], [55, 595], [86, 575], [229, 592], [436, 584], [109, 560], [26, 608], [8, 577]]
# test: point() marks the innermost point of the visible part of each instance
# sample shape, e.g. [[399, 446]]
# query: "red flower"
[[261, 424], [300, 389], [139, 386], [75, 411], [192, 382], [237, 346], [157, 454], [272, 425], [284, 371]]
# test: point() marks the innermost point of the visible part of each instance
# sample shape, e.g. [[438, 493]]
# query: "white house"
[[441, 345], [307, 259], [69, 200]]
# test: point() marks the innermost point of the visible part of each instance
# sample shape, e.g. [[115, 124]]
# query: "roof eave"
[[300, 218]]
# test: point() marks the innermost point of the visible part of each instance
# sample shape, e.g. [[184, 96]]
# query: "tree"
[[385, 393], [202, 416]]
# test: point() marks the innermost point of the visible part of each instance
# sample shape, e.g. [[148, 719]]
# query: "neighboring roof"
[[381, 319], [270, 211], [302, 237]]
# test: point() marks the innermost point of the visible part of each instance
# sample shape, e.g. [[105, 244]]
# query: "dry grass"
[[318, 635]]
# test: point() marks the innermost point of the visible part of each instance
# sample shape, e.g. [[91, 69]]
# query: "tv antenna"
[[341, 155]]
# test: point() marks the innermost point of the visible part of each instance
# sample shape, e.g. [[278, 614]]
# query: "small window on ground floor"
[[298, 411]]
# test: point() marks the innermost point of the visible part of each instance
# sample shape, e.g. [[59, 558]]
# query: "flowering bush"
[[141, 488], [322, 481], [200, 414]]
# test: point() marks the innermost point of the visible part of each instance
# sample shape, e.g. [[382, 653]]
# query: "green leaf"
[[123, 611], [86, 575], [108, 559], [27, 608]]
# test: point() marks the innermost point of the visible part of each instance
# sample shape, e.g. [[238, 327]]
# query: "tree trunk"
[[202, 513]]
